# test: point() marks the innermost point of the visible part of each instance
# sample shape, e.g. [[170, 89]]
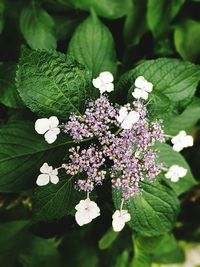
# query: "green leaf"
[[111, 9], [22, 153], [8, 92], [135, 24], [153, 211], [39, 252], [160, 249], [55, 201], [160, 13], [184, 121], [92, 45], [107, 239], [174, 78], [187, 30], [50, 83], [37, 27], [169, 157]]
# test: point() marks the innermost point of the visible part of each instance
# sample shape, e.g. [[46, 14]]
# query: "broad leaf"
[[37, 27], [153, 211], [8, 91], [92, 45], [184, 121], [188, 30], [22, 153], [111, 9], [160, 13], [50, 83], [169, 157], [174, 78], [56, 201]]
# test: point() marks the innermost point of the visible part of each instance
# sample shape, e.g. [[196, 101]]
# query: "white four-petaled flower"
[[87, 210], [143, 88], [175, 172], [120, 217], [104, 82], [48, 174], [181, 140], [127, 119], [48, 127]]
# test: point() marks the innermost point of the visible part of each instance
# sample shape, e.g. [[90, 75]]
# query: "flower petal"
[[144, 95], [82, 218], [125, 215], [148, 87], [177, 147], [118, 224], [140, 82], [137, 93], [45, 168], [54, 179], [97, 83], [130, 119], [53, 121], [43, 179], [50, 136], [42, 125], [106, 77]]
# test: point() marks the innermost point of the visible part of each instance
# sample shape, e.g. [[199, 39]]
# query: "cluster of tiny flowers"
[[88, 161], [122, 148], [96, 120]]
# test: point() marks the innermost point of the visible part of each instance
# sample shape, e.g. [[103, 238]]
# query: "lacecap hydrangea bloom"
[[121, 148]]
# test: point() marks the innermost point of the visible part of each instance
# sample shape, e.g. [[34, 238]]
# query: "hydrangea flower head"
[[121, 147], [48, 127]]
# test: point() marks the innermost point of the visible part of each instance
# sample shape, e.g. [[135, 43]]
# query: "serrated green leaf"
[[22, 153], [153, 211], [160, 13], [111, 9], [37, 27], [169, 157], [55, 201], [107, 239], [92, 45], [187, 30], [184, 121], [51, 83], [174, 78], [8, 91]]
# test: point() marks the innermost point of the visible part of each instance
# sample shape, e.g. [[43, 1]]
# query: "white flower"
[[48, 127], [48, 174], [120, 217], [143, 88], [87, 210], [175, 172], [181, 140], [127, 119], [104, 82]]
